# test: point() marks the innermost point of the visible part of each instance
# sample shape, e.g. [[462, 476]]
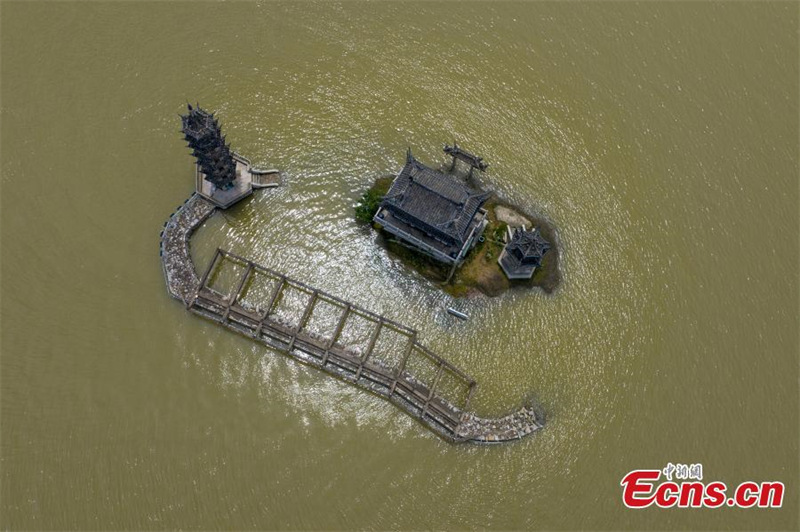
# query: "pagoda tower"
[[203, 133]]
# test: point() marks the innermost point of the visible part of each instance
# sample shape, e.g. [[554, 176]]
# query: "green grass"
[[371, 199]]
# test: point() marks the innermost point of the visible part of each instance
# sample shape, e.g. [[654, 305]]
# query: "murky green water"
[[661, 138]]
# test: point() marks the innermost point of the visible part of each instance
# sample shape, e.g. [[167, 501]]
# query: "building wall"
[[438, 255], [435, 253], [476, 232], [514, 274]]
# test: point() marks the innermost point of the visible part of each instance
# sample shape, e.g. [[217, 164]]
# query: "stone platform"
[[247, 178]]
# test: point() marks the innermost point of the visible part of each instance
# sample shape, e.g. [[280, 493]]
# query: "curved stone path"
[[398, 385]]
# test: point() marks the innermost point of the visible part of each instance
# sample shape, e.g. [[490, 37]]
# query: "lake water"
[[660, 138]]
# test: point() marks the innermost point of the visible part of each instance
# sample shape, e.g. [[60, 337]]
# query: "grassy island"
[[480, 271]]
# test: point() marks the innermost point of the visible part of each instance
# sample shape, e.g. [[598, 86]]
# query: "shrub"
[[368, 206], [371, 199]]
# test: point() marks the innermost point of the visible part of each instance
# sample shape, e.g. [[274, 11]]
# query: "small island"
[[442, 226]]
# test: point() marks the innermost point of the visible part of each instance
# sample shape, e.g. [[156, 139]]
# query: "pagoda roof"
[[528, 244], [198, 122], [523, 254], [434, 202]]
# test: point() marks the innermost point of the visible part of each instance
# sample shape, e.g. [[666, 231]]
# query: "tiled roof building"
[[437, 213]]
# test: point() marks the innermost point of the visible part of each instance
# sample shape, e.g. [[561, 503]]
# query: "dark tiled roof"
[[198, 123], [436, 203], [528, 247]]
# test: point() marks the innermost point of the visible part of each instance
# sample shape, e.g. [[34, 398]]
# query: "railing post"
[[234, 296], [472, 386], [402, 366], [370, 347], [204, 278], [464, 410], [303, 320], [433, 389], [336, 333], [274, 296]]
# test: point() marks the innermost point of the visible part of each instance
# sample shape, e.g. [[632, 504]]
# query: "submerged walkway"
[[421, 383]]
